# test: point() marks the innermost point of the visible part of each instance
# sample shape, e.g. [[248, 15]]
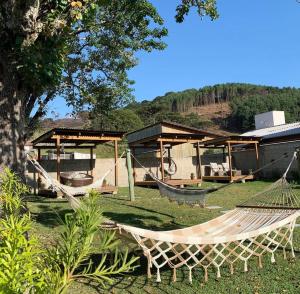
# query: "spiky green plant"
[[69, 259], [19, 256], [26, 268]]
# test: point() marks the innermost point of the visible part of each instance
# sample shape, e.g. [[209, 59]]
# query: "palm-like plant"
[[27, 268]]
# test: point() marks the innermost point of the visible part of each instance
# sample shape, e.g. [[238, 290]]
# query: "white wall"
[[269, 119], [245, 160]]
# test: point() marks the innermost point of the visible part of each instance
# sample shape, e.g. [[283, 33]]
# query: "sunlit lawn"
[[151, 211]]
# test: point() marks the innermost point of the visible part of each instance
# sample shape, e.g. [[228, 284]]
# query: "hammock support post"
[[162, 160], [91, 161], [39, 175], [130, 177], [116, 163], [58, 158], [199, 174]]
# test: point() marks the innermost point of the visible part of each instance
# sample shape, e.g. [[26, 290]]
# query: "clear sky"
[[255, 41]]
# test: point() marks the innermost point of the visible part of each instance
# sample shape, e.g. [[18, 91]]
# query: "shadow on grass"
[[40, 199], [130, 218], [129, 283], [139, 220], [50, 217], [149, 210]]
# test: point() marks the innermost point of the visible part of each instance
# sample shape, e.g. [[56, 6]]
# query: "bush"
[[19, 256], [26, 268]]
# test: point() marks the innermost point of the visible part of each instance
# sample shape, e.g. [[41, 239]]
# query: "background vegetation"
[[185, 107]]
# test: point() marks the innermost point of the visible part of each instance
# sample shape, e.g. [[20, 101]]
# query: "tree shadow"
[[149, 210], [42, 199], [130, 218], [138, 220], [50, 217], [137, 279]]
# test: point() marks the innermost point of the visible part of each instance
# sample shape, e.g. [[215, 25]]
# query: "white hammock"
[[67, 191], [256, 227]]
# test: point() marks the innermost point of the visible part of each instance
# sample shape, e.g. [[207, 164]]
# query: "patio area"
[[226, 170]]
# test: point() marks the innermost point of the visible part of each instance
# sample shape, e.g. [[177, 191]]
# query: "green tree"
[[244, 110], [78, 49], [119, 119]]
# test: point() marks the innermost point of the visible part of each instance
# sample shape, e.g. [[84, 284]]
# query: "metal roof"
[[280, 131]]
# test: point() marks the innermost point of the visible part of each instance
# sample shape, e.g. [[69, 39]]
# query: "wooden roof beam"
[[86, 138], [177, 140], [243, 142]]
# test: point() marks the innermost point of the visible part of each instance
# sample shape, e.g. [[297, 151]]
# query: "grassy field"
[[151, 211]]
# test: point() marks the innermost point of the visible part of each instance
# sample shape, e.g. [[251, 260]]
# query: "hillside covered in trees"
[[227, 108], [232, 106]]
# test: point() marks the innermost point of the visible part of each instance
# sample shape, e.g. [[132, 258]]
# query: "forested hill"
[[224, 108], [232, 105], [183, 101]]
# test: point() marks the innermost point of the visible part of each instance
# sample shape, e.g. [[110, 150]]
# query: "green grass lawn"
[[151, 211]]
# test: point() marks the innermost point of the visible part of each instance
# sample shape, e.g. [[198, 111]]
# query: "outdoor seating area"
[[71, 171], [223, 169], [226, 170], [152, 211], [156, 144]]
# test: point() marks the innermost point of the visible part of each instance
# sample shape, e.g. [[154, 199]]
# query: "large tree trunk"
[[12, 122]]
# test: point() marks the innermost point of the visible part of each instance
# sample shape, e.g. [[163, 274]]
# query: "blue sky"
[[255, 41]]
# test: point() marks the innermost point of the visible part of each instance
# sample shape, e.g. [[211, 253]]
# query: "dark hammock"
[[195, 196], [183, 195]]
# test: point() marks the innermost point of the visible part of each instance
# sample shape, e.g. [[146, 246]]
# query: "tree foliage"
[[80, 49], [244, 110], [117, 120], [245, 101], [204, 8]]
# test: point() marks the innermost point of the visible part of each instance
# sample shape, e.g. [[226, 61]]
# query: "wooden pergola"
[[230, 143], [65, 138], [165, 135]]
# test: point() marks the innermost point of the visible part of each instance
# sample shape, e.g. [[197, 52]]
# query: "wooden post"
[[169, 159], [91, 161], [199, 173], [39, 176], [256, 156], [224, 156], [116, 163], [133, 165], [230, 160], [130, 178], [58, 158], [162, 161]]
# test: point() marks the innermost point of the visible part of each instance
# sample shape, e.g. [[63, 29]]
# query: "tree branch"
[[40, 112]]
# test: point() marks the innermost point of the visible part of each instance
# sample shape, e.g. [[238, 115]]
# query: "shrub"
[[25, 268], [19, 256]]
